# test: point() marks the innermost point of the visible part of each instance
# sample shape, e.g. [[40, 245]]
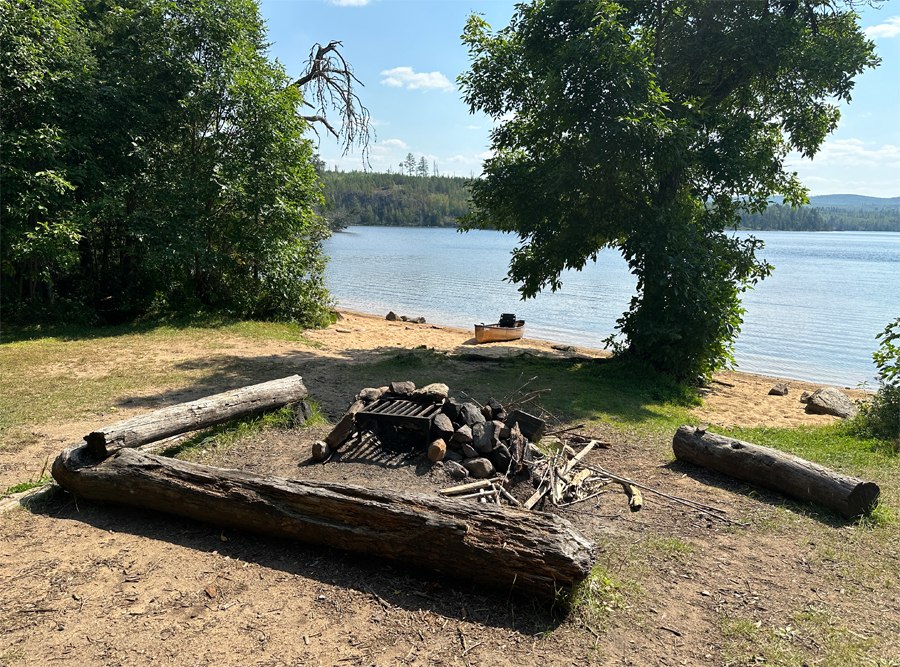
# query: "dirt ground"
[[86, 583]]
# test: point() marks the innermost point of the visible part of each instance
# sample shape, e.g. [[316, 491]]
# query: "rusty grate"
[[401, 412]]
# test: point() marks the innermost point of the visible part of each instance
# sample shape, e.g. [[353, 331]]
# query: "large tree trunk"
[[770, 468], [196, 415], [499, 547]]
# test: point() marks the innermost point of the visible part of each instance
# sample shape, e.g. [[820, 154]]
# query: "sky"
[[408, 54]]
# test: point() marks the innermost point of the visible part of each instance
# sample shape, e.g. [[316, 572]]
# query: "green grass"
[[225, 436], [33, 483]]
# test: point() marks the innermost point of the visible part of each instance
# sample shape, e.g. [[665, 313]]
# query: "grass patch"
[[223, 437], [814, 636], [32, 483]]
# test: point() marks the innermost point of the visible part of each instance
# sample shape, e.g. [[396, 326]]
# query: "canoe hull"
[[494, 333]]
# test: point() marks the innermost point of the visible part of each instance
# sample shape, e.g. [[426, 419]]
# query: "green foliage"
[[153, 158], [879, 417], [393, 200], [647, 130]]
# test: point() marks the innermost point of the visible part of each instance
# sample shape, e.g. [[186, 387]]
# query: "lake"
[[816, 318]]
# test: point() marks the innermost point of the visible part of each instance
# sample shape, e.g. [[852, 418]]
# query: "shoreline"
[[734, 398]]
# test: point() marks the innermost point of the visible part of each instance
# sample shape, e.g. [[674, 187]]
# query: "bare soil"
[[86, 583]]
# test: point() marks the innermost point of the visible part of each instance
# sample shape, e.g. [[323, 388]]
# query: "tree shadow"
[[410, 588], [750, 491]]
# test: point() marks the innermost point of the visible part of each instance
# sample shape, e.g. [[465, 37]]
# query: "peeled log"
[[500, 547], [772, 469], [196, 415]]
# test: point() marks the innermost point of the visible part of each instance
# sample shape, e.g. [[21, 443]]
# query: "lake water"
[[816, 318]]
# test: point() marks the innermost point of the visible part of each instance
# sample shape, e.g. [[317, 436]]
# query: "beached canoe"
[[494, 333]]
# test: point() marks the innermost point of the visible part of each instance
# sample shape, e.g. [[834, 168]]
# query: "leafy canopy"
[[153, 157], [647, 126]]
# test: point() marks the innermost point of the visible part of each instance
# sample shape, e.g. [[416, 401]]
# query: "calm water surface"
[[814, 319]]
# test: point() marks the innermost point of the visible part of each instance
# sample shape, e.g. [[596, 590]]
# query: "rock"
[[455, 470], [564, 348], [403, 388], [467, 450], [501, 458], [450, 455], [463, 434], [404, 318], [487, 413], [496, 410], [437, 450], [470, 414], [804, 397], [391, 316], [451, 409], [370, 394], [435, 392], [483, 437], [780, 389], [418, 320], [442, 427], [831, 401], [480, 467], [320, 450], [501, 430]]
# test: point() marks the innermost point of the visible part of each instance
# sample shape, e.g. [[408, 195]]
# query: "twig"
[[506, 494], [377, 597], [472, 486], [700, 507], [581, 500], [517, 391], [560, 431], [472, 399], [526, 398]]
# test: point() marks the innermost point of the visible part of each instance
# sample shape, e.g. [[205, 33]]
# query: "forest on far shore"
[[403, 200]]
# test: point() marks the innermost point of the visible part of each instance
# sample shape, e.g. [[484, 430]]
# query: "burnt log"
[[196, 415], [538, 554], [790, 475]]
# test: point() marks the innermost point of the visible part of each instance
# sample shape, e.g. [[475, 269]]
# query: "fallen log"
[[196, 415], [531, 552], [772, 469]]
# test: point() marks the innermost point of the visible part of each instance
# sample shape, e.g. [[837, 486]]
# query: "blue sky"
[[408, 53]]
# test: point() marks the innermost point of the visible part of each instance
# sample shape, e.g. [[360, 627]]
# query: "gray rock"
[[780, 389], [435, 392], [455, 470], [501, 429], [470, 414], [480, 467], [501, 458], [403, 388], [467, 450], [451, 455], [370, 394], [463, 434], [451, 409], [442, 427], [804, 397], [417, 320], [391, 317], [483, 437], [831, 401]]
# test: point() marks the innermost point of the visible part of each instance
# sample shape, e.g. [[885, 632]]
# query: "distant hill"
[[850, 201], [854, 201]]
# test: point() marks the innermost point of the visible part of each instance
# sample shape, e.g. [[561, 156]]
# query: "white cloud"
[[400, 76], [394, 143], [854, 153], [349, 3], [890, 28], [473, 127]]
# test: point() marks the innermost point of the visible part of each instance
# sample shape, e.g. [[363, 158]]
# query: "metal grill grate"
[[401, 412]]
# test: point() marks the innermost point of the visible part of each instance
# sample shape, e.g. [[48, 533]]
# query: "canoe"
[[494, 333]]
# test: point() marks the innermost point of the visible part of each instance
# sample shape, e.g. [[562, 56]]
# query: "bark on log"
[[770, 468], [500, 547], [196, 415]]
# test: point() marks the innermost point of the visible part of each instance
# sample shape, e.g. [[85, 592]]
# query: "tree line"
[[822, 219], [393, 200]]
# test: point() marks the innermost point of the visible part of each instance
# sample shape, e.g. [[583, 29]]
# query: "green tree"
[[422, 169], [646, 126], [154, 157], [409, 164]]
